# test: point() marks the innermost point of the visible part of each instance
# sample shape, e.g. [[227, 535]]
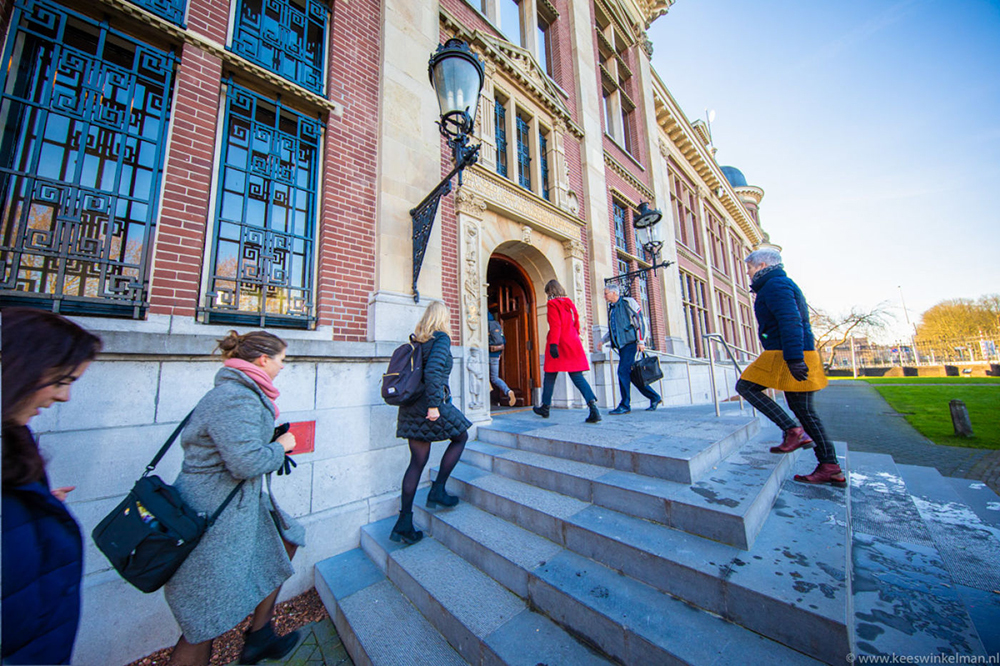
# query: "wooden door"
[[511, 297]]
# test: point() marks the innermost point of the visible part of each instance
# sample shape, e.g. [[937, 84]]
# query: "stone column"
[[409, 167], [476, 385]]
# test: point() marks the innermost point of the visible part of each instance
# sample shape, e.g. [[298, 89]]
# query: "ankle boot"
[[795, 438], [825, 473], [437, 496], [404, 530], [595, 413], [542, 411], [264, 644]]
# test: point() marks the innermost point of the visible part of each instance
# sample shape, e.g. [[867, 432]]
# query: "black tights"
[[420, 451]]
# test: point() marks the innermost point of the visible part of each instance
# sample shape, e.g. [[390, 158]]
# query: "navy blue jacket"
[[782, 315], [412, 423], [42, 568]]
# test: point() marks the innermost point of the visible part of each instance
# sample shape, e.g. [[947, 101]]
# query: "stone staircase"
[[671, 537]]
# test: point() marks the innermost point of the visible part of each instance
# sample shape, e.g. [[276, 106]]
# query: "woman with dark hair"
[[432, 418], [43, 354], [241, 562], [564, 351]]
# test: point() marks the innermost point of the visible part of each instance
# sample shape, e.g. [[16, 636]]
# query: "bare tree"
[[831, 331], [960, 318]]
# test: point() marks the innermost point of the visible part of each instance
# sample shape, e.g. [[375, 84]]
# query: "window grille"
[[287, 37], [543, 149], [265, 217], [85, 111], [621, 223], [169, 10], [523, 154], [500, 118]]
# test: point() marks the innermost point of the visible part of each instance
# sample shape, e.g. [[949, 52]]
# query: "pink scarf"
[[261, 378]]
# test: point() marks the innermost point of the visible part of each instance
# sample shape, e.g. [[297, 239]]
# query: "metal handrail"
[[716, 337]]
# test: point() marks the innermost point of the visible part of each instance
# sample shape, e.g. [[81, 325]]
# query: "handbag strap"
[[232, 494], [166, 445]]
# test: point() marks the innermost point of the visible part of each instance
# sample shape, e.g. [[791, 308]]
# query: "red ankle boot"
[[825, 473], [795, 438]]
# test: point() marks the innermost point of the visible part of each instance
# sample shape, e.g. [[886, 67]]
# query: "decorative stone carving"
[[573, 202], [471, 296], [474, 369], [502, 195], [469, 203], [579, 295], [703, 192], [574, 249], [647, 45], [526, 234]]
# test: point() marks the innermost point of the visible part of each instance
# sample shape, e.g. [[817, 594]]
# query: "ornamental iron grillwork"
[[85, 112], [265, 216], [543, 148], [620, 216], [500, 114], [287, 37], [523, 154], [169, 10]]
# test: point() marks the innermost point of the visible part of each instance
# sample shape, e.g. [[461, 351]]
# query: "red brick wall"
[[180, 233], [346, 243]]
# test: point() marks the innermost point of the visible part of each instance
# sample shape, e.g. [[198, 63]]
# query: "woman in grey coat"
[[431, 418], [245, 556]]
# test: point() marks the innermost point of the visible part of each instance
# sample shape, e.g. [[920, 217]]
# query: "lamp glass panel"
[[457, 83]]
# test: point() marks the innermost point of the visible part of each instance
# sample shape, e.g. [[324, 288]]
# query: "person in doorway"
[[626, 334], [564, 351], [241, 562], [497, 343], [431, 418], [42, 552], [789, 363]]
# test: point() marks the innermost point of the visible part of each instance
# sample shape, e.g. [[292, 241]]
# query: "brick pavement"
[[855, 413], [319, 645]]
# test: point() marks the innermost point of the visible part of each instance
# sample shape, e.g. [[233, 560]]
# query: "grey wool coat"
[[241, 559], [412, 423]]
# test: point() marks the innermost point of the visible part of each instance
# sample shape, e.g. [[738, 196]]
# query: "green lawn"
[[926, 408], [924, 380]]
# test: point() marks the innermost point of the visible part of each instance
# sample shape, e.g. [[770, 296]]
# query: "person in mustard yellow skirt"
[[789, 363]]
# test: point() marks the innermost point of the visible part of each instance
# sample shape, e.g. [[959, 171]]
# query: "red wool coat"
[[564, 332]]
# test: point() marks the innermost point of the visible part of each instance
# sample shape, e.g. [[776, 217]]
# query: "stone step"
[[376, 623], [789, 587], [980, 499], [969, 547], [482, 620], [905, 601], [628, 620], [729, 504], [682, 447]]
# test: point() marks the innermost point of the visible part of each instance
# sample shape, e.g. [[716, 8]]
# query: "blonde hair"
[[554, 290], [436, 318], [251, 346]]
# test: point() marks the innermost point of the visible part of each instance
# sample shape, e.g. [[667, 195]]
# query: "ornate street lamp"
[[457, 75], [647, 234]]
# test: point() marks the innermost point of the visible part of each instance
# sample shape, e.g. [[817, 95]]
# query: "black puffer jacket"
[[412, 422], [782, 314]]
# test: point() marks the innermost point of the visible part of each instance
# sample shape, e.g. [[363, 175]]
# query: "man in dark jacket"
[[789, 363], [626, 333], [497, 343]]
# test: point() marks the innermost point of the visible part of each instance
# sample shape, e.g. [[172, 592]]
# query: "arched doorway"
[[511, 298]]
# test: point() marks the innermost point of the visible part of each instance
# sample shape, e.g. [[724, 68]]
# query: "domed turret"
[[750, 195], [734, 176]]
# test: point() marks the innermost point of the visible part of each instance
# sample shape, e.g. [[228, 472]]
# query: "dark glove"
[[799, 370], [554, 350], [286, 467], [280, 430]]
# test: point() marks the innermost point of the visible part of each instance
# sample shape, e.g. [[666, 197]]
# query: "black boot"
[[542, 411], [404, 530], [595, 413], [437, 496], [264, 644]]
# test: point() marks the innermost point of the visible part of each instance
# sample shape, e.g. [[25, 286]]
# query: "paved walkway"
[[319, 646], [855, 413]]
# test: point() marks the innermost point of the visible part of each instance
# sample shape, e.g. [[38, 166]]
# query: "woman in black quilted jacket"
[[431, 418]]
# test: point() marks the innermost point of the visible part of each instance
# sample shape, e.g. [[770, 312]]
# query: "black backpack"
[[496, 334], [403, 381]]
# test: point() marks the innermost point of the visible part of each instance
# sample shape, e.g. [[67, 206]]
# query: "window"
[[543, 154], [287, 37], [510, 21], [543, 56], [616, 79], [686, 228], [170, 10], [620, 216], [265, 217], [717, 235], [739, 268], [694, 298], [85, 111], [727, 317], [500, 122], [749, 339], [523, 152]]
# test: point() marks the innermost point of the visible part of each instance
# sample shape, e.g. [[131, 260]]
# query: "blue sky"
[[873, 127]]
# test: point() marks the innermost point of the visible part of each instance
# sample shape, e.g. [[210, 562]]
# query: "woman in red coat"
[[564, 351]]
